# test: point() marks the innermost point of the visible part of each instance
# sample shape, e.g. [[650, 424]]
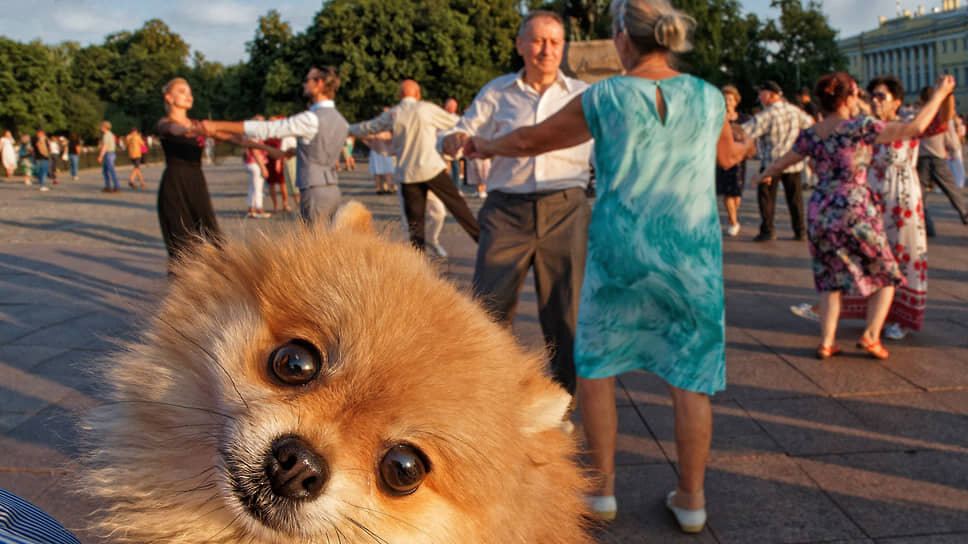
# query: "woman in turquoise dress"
[[653, 292]]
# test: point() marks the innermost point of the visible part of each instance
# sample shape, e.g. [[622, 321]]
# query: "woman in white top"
[[7, 153]]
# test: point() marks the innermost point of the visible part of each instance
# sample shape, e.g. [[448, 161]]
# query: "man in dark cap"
[[775, 128]]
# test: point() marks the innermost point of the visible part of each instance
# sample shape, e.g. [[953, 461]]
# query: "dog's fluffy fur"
[[407, 359]]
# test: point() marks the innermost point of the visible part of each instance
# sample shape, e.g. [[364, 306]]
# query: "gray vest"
[[316, 161]]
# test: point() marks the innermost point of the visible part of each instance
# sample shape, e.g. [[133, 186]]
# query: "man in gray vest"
[[320, 131]]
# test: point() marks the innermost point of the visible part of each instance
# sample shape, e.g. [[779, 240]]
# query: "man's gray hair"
[[537, 14]]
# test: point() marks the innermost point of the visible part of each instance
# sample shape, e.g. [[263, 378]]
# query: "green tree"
[[451, 48], [31, 85], [141, 64], [806, 46], [727, 47], [269, 45]]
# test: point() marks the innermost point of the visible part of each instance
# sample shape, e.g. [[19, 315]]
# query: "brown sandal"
[[874, 349], [826, 352]]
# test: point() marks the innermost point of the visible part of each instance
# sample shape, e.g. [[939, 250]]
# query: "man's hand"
[[278, 154], [453, 143], [476, 147], [759, 178]]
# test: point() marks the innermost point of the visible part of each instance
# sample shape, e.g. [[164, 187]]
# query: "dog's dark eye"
[[403, 468], [296, 362]]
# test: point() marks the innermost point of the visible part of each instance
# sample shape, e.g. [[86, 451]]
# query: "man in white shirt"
[[536, 213], [321, 133], [414, 125]]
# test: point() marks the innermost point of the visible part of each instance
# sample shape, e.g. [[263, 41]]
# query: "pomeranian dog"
[[329, 386]]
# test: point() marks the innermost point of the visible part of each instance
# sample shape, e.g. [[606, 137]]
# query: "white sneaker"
[[437, 249], [44, 188], [28, 182], [602, 507], [895, 332], [805, 310], [733, 230], [482, 195], [262, 215]]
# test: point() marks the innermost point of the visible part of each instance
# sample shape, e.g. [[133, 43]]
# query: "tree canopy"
[[450, 47]]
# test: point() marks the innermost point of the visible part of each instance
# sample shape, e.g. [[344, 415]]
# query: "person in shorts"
[[136, 150]]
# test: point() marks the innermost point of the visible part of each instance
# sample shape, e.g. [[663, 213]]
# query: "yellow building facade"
[[916, 47]]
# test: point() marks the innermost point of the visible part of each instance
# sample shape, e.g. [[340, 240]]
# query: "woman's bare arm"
[[898, 130], [778, 166], [729, 151]]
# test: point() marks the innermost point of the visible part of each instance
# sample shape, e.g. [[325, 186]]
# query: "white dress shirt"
[[507, 103], [303, 125], [414, 125]]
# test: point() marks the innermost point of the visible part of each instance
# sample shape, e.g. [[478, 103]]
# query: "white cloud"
[[219, 13]]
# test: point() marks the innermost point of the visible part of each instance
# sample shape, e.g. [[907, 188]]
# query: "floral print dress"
[[893, 178], [847, 240]]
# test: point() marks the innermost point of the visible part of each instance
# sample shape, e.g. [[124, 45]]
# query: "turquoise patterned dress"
[[653, 292]]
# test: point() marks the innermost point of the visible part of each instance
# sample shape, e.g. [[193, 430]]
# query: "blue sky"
[[220, 28]]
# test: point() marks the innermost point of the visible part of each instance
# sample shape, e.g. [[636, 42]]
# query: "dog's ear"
[[353, 216], [546, 406]]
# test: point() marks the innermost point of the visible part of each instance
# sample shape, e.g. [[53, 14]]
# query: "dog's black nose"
[[294, 471]]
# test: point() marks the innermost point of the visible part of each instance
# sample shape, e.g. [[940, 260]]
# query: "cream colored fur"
[[410, 359]]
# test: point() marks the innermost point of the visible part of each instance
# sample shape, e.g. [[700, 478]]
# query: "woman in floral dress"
[[847, 239], [894, 180]]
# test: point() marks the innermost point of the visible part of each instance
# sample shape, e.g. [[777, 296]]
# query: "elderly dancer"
[[847, 241], [414, 124], [653, 292], [536, 214], [321, 133], [775, 128], [897, 192]]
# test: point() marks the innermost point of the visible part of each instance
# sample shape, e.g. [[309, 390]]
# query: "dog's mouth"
[[273, 486]]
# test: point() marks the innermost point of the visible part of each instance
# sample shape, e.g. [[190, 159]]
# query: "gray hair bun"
[[672, 31]]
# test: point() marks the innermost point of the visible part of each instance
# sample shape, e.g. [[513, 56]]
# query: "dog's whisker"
[[210, 356], [227, 525], [370, 533], [386, 515], [173, 405]]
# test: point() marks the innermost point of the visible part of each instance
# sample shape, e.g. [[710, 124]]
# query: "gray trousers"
[[546, 231], [319, 203], [935, 171]]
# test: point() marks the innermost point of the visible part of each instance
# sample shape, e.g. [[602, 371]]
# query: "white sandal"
[[603, 508], [690, 521]]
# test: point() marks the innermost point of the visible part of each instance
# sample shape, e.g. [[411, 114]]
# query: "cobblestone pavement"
[[849, 451]]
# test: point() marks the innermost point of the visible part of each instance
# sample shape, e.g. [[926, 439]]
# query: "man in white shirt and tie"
[[536, 213]]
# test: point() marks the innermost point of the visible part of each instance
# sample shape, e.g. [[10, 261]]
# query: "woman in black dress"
[[184, 205], [729, 183]]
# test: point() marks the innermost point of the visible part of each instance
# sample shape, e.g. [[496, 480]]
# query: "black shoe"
[[764, 237], [799, 237]]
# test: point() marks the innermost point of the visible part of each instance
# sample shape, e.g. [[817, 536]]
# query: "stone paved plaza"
[[850, 450]]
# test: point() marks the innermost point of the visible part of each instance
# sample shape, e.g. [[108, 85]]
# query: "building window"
[[964, 44], [944, 46], [954, 46]]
